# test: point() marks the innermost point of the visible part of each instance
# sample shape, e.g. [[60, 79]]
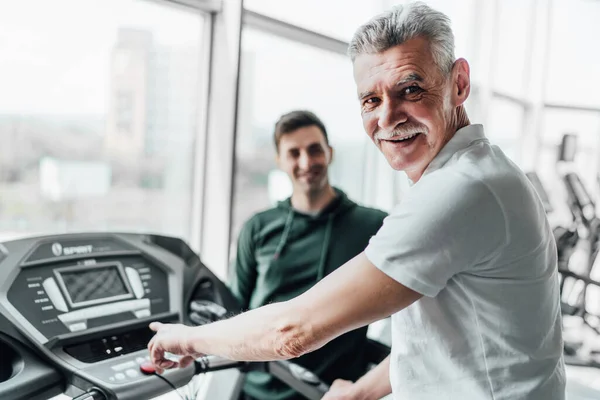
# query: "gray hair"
[[402, 23]]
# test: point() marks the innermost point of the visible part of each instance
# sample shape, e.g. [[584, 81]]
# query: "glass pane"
[[586, 126], [514, 32], [574, 57], [341, 18], [279, 76], [335, 18], [505, 126], [97, 116]]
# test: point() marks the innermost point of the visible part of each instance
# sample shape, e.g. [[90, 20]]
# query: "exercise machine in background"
[[578, 244]]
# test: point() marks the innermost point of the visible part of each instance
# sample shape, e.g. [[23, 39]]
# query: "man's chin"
[[311, 186], [401, 164]]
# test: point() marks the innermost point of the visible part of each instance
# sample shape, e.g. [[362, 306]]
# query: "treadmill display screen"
[[94, 284]]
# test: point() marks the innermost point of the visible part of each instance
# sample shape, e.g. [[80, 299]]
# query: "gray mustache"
[[399, 132]]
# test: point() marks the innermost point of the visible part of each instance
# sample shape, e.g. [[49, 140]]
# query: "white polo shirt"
[[472, 236]]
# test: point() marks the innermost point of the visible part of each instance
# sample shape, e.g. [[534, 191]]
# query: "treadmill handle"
[[206, 364], [297, 377], [92, 394]]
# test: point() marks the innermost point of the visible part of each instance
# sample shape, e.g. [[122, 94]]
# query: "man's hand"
[[342, 390], [172, 338]]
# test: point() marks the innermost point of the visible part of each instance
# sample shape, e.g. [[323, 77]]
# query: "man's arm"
[[374, 385], [352, 296], [243, 280]]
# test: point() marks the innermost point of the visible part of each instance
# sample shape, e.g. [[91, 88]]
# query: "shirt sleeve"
[[243, 280], [445, 225]]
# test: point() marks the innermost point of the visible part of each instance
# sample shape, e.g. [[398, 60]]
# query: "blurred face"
[[407, 104], [305, 156]]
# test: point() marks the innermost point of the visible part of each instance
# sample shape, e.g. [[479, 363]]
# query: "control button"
[[142, 313], [135, 281], [80, 326], [147, 368], [140, 360], [119, 376], [104, 310], [122, 366], [54, 294], [111, 378], [132, 373]]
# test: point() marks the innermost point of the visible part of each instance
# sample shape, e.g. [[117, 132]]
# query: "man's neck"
[[313, 202], [459, 120]]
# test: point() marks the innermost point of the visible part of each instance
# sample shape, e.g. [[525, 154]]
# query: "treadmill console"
[[61, 295], [83, 303]]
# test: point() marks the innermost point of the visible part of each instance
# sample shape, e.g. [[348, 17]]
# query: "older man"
[[465, 264]]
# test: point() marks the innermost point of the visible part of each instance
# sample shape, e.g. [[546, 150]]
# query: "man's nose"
[[390, 115], [304, 161]]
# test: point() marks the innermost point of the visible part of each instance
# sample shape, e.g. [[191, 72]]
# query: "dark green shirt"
[[281, 253]]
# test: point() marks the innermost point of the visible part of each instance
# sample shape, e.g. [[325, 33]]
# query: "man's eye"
[[414, 89], [371, 101], [315, 150]]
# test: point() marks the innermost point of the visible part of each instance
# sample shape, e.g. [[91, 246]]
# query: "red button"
[[147, 368]]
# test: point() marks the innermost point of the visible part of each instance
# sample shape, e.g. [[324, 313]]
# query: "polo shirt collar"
[[463, 138]]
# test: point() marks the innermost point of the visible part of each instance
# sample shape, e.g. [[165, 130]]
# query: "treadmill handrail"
[[297, 377]]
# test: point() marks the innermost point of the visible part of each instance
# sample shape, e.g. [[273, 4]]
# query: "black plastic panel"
[[27, 294], [110, 346], [55, 249], [23, 375]]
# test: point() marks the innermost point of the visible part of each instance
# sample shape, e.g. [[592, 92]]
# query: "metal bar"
[[200, 144], [209, 6], [508, 97], [293, 32], [572, 107], [220, 141]]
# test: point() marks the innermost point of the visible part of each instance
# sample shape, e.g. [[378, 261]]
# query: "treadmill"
[[75, 309]]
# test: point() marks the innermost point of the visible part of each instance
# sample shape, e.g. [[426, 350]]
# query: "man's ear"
[[330, 155], [277, 158], [461, 86]]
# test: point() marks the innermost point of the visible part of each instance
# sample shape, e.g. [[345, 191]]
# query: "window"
[[514, 34], [586, 126], [123, 109], [97, 116], [278, 76], [574, 57], [335, 18], [505, 126]]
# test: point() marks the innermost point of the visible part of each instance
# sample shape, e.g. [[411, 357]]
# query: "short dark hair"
[[295, 120]]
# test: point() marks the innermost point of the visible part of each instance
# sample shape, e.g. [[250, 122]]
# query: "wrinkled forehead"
[[413, 57]]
